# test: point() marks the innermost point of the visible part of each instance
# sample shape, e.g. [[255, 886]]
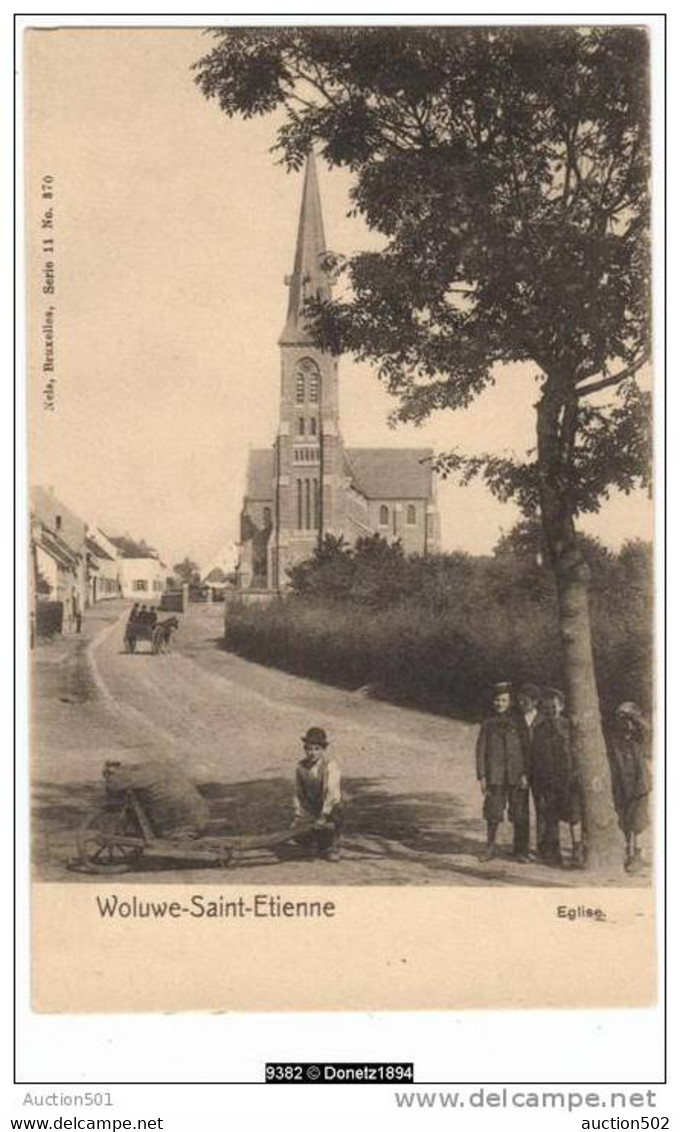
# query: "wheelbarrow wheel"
[[223, 858], [99, 846]]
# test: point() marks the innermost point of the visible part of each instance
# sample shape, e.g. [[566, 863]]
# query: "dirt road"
[[413, 805]]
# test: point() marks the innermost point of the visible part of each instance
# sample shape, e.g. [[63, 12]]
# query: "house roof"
[[378, 473], [216, 575], [391, 473], [96, 547], [57, 549], [130, 548], [260, 474]]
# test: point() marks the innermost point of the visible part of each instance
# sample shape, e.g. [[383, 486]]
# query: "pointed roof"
[[391, 473], [260, 475], [308, 278]]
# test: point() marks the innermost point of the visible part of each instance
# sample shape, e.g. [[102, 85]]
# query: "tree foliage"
[[187, 571], [507, 170], [438, 631], [374, 572]]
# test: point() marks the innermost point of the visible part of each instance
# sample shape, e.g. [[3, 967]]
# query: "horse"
[[162, 635]]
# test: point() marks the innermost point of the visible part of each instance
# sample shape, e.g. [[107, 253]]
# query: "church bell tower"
[[308, 455]]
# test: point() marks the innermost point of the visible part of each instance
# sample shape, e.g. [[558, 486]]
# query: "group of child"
[[524, 748]]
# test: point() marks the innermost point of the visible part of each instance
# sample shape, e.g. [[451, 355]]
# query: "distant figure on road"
[[502, 770], [132, 620], [76, 610], [318, 795], [629, 753]]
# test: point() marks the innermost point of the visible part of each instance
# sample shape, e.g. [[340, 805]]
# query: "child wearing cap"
[[502, 771], [555, 783], [318, 794], [628, 749]]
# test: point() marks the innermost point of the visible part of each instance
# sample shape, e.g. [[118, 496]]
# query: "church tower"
[[308, 481], [308, 484]]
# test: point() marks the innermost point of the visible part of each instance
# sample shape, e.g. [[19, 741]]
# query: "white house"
[[142, 579], [103, 560]]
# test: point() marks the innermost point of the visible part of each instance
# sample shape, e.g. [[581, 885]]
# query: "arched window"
[[267, 517], [384, 515], [411, 514], [301, 426], [299, 505], [307, 381], [312, 426], [308, 505]]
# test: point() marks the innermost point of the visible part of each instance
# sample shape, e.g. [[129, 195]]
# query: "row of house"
[[74, 564]]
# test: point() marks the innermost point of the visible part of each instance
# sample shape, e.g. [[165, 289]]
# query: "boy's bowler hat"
[[629, 709], [316, 737], [500, 688]]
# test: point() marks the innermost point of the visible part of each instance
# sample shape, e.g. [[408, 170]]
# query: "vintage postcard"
[[340, 517]]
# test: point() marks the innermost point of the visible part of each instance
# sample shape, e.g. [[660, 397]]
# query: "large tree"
[[187, 571], [507, 170]]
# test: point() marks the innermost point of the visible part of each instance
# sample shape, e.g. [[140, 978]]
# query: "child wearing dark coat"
[[502, 771], [555, 783]]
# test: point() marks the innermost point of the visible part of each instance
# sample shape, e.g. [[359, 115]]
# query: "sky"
[[174, 228]]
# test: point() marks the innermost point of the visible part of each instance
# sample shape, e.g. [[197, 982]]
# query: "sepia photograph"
[[340, 530]]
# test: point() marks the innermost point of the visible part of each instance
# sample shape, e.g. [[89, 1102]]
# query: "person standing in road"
[[629, 752], [528, 715], [502, 771], [555, 783], [77, 612]]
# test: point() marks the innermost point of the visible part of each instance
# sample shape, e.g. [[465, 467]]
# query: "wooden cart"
[[158, 635], [114, 838]]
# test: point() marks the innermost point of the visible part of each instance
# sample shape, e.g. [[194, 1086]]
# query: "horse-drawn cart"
[[115, 836], [158, 634]]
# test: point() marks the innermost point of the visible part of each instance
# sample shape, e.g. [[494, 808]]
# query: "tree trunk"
[[556, 430], [602, 838]]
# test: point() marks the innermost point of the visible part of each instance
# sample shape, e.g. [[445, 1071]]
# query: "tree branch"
[[613, 378]]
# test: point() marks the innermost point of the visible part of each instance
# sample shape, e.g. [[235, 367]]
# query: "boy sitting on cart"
[[318, 795]]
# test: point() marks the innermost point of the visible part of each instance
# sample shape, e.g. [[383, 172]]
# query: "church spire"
[[308, 279]]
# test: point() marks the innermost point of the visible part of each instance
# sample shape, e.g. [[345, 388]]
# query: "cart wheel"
[[98, 847]]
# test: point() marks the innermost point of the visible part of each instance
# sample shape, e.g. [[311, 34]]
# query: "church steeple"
[[308, 280]]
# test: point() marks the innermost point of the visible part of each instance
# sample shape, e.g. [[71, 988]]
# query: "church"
[[308, 484]]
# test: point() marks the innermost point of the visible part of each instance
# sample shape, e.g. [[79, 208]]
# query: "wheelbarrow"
[[113, 839]]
